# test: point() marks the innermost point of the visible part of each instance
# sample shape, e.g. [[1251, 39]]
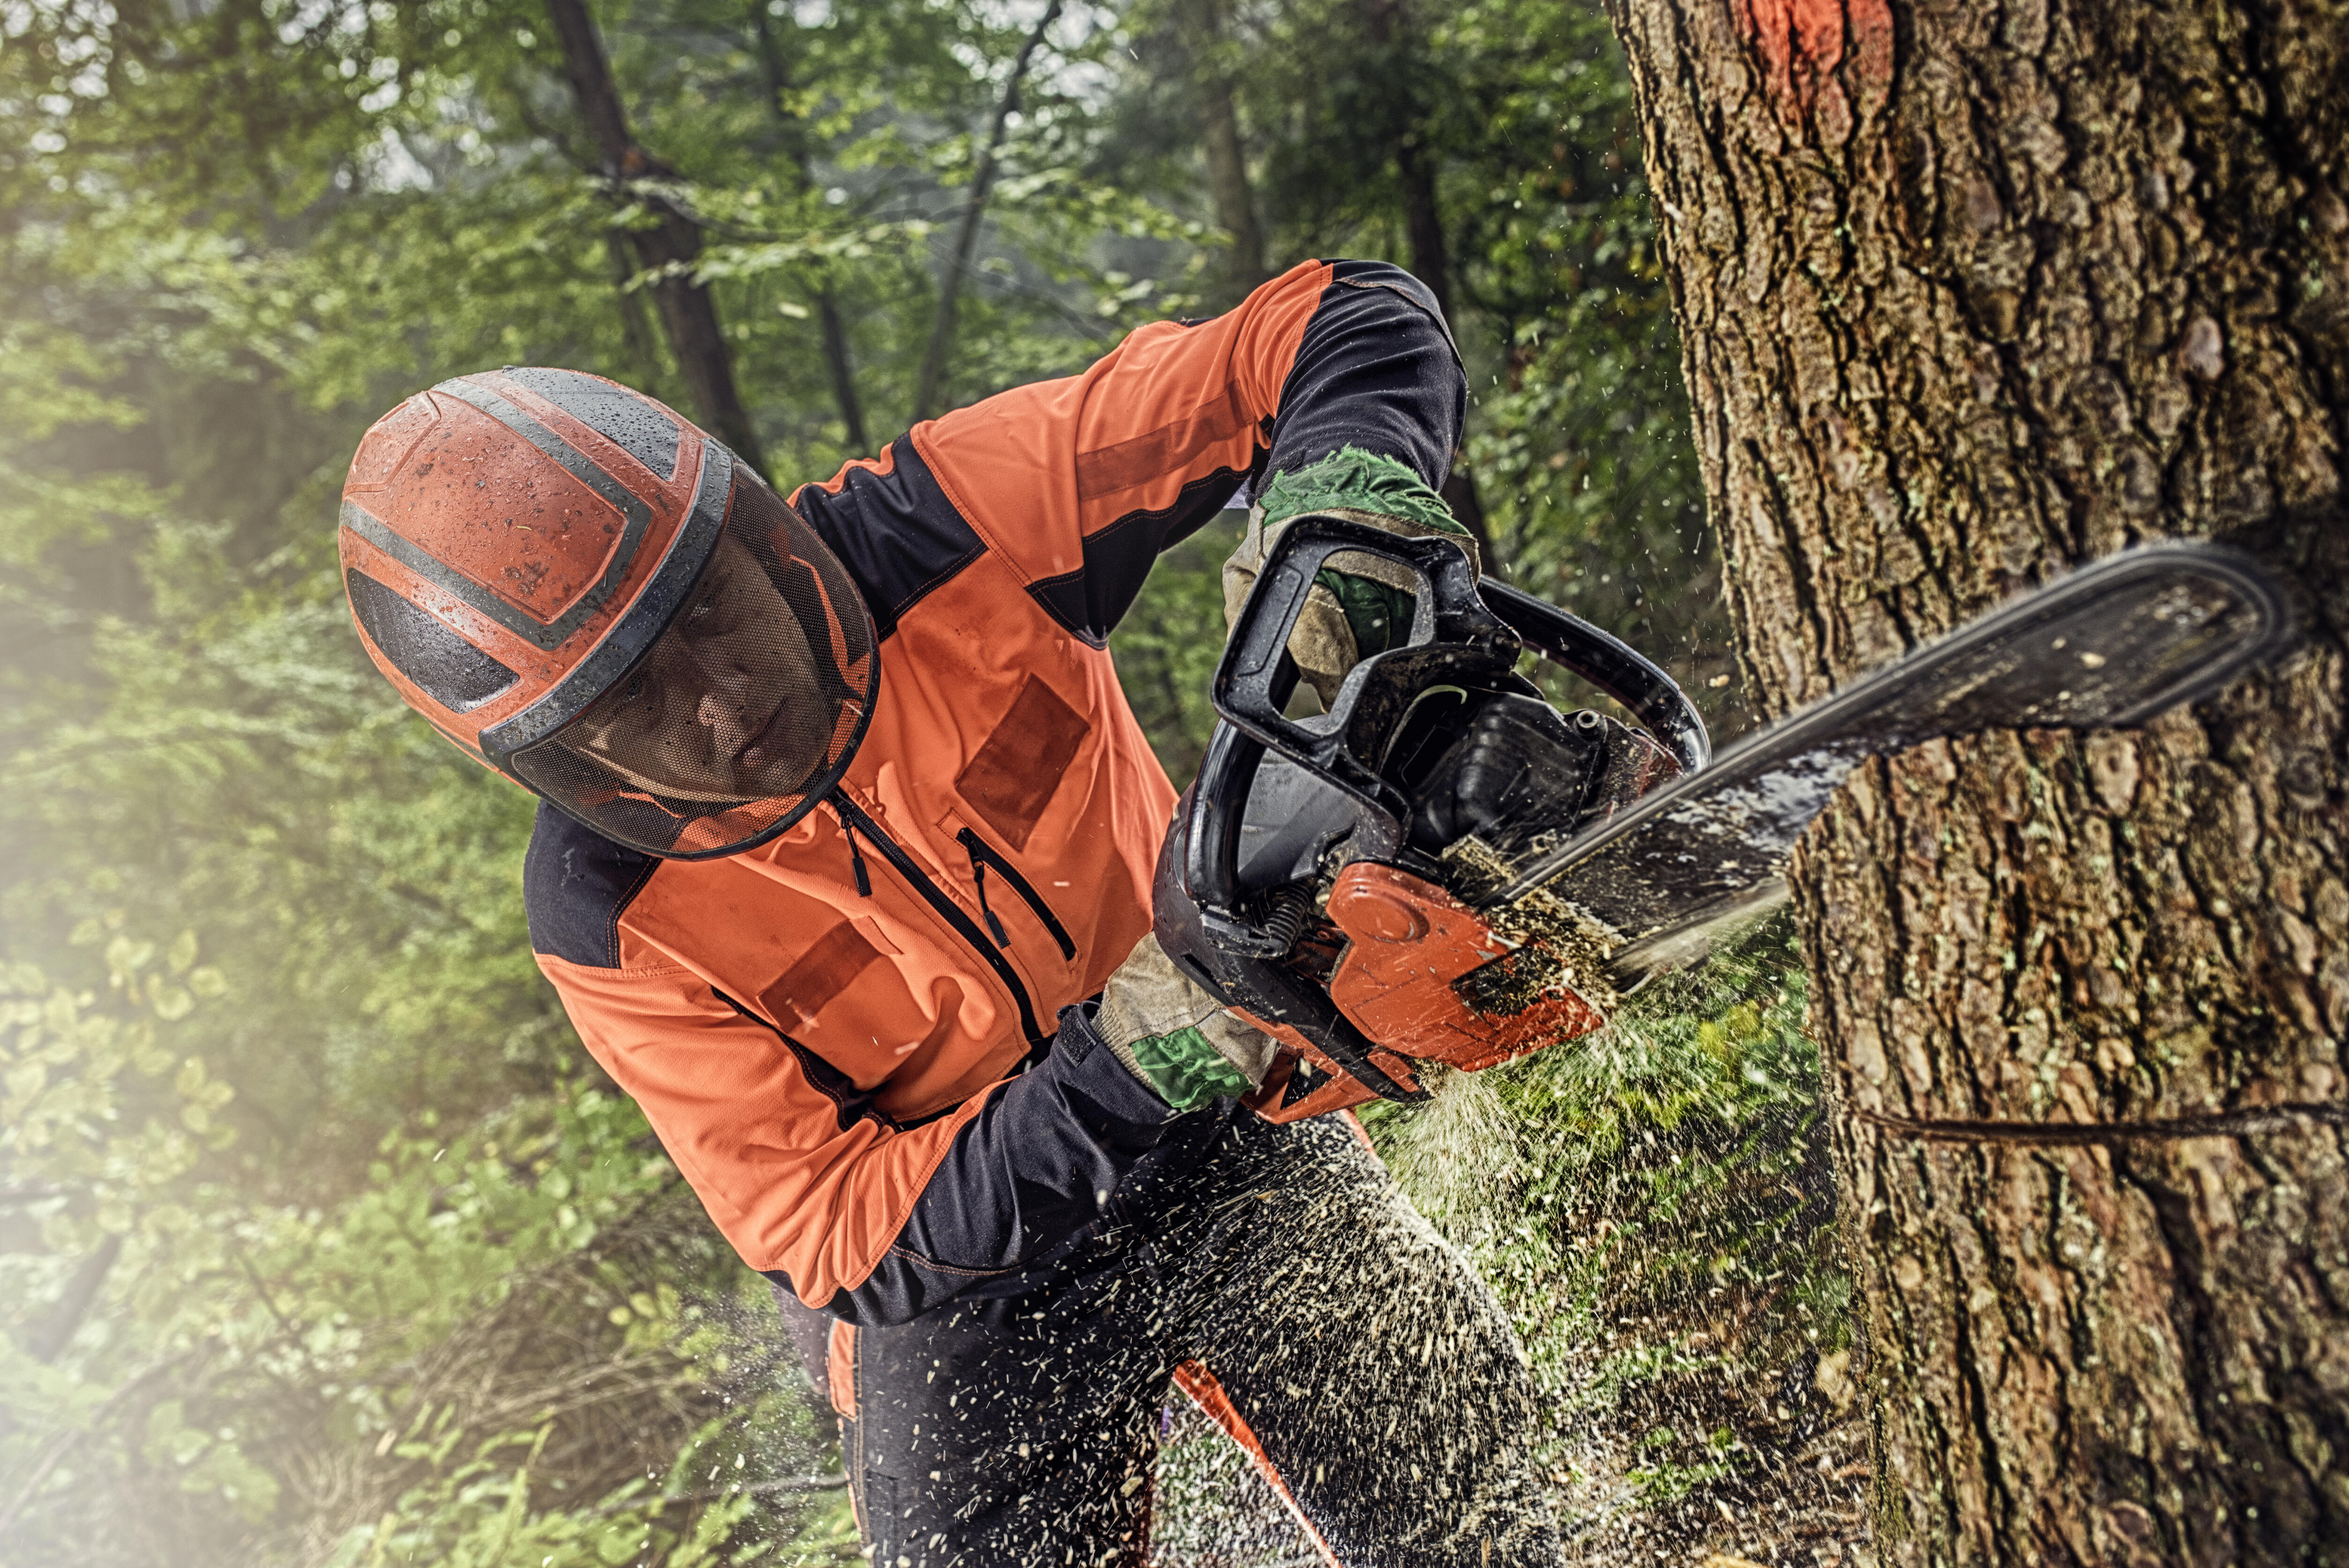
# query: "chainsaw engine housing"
[[1313, 879]]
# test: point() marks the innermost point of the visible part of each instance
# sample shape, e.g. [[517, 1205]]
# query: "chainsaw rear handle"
[[1236, 961]]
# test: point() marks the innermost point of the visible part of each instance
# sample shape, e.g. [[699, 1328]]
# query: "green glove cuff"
[[1351, 479], [1183, 1069]]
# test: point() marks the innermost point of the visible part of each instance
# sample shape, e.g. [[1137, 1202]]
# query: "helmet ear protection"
[[517, 544]]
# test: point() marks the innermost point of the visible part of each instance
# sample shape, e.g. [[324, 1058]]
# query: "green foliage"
[[1581, 440], [319, 1238], [531, 1306]]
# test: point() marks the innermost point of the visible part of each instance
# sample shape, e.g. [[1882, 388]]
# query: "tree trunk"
[[1970, 293], [837, 362], [1389, 24], [55, 1330], [635, 330], [931, 384], [1202, 23], [840, 368], [1431, 263], [688, 316]]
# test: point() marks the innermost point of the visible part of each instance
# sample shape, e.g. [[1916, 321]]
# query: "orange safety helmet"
[[590, 596]]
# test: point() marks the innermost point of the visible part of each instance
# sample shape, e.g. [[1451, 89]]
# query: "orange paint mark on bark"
[[1800, 45]]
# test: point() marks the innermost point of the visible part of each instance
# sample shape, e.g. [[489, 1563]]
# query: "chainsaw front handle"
[[1464, 630], [1607, 663], [1452, 636]]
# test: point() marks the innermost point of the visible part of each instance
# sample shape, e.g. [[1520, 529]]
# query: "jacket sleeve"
[[1081, 483], [816, 1188], [1036, 1164]]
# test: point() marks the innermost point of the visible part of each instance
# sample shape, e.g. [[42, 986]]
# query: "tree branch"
[[31, 1192], [63, 1443], [982, 179], [666, 248], [48, 1340]]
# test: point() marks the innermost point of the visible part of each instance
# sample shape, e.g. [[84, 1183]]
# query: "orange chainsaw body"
[[1410, 945]]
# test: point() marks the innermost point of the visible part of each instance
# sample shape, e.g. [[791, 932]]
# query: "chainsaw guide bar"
[[2106, 648]]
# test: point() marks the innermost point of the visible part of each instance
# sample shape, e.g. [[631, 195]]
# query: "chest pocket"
[[819, 974], [1015, 774]]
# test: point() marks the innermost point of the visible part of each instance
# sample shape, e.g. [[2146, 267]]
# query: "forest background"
[[321, 1241]]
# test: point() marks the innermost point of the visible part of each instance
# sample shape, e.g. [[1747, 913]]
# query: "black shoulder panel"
[[1376, 369], [575, 885], [896, 533], [1091, 600]]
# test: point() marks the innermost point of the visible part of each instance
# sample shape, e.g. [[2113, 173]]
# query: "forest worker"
[[842, 868]]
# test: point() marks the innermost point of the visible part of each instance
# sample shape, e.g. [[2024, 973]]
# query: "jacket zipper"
[[857, 821], [864, 878], [982, 857]]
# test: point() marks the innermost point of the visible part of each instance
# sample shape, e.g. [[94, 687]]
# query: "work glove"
[[1174, 1037], [1360, 605]]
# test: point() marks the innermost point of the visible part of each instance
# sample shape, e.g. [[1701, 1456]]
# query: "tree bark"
[[1970, 293], [932, 382], [1203, 27], [837, 362], [666, 248]]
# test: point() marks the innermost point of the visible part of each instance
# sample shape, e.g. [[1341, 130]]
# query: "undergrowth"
[[1654, 1206]]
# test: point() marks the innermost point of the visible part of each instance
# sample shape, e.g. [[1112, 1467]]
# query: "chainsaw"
[[1445, 871]]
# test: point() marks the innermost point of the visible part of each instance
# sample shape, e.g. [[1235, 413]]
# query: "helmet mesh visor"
[[741, 715]]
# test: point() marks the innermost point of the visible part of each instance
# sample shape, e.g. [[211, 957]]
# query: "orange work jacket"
[[832, 1028]]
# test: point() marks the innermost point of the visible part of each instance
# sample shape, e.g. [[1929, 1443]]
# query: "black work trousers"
[[1283, 1273]]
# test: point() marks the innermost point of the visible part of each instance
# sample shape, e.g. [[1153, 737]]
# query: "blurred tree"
[[1204, 29], [932, 378], [839, 360], [666, 241]]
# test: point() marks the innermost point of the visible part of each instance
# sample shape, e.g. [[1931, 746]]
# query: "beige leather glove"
[[1174, 1037], [1356, 601]]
